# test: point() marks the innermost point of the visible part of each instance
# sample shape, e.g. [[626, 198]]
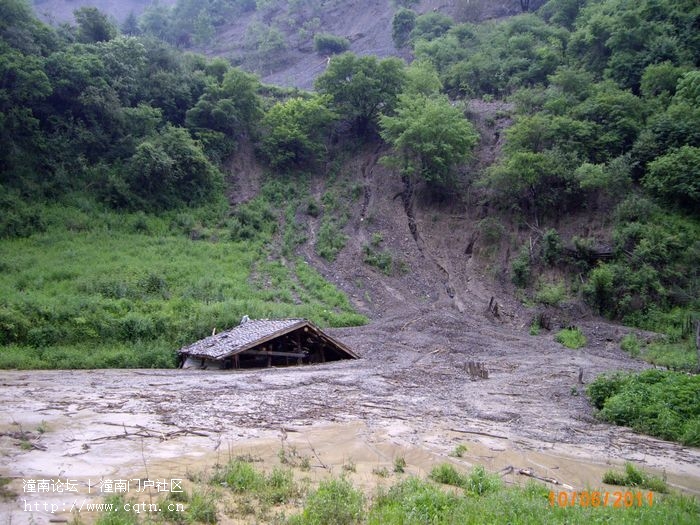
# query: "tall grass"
[[102, 289]]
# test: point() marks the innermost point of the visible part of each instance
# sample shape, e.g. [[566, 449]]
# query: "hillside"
[[275, 40], [60, 11]]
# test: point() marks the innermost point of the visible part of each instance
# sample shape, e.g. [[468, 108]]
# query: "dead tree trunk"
[[697, 341], [525, 5]]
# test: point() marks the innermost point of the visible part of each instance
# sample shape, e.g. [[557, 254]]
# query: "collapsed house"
[[263, 343]]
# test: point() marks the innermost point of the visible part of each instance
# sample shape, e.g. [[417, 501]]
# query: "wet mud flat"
[[412, 395]]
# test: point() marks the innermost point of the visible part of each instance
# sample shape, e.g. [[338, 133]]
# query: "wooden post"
[[323, 353], [298, 344]]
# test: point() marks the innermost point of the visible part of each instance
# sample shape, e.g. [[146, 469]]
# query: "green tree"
[[402, 23], [422, 78], [203, 27], [431, 26], [93, 25], [295, 131], [130, 26], [676, 177], [231, 106], [169, 170], [362, 87], [430, 136], [327, 44]]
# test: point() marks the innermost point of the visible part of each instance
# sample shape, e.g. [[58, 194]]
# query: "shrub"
[[414, 501], [335, 502], [327, 44], [630, 344], [280, 486], [240, 476], [480, 482], [491, 230], [521, 269], [448, 475], [330, 240], [202, 507], [551, 247], [571, 338], [551, 294], [661, 403], [402, 24], [459, 451]]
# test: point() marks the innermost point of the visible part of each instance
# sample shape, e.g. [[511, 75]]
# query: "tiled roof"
[[242, 337]]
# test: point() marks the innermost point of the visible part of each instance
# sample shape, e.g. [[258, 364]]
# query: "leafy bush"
[[551, 247], [447, 474], [330, 240], [480, 482], [551, 294], [676, 177], [571, 338], [660, 403], [599, 290], [413, 501], [239, 476], [520, 268], [327, 44], [630, 344], [402, 23], [335, 502], [383, 260], [491, 230]]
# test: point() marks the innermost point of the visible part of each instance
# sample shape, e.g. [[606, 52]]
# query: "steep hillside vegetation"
[[549, 156]]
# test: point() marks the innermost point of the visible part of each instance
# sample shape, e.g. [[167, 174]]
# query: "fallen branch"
[[323, 465], [146, 433], [464, 431], [531, 474]]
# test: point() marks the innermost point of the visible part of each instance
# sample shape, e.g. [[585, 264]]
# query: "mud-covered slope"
[[365, 23], [59, 11]]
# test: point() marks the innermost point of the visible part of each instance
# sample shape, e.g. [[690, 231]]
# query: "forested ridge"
[[111, 137]]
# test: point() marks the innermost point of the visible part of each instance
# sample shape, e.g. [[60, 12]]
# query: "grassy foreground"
[[286, 495], [100, 289]]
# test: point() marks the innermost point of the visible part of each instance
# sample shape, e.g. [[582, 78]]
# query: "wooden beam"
[[274, 353]]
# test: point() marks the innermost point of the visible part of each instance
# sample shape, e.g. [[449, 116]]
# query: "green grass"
[[550, 294], [335, 502], [275, 488], [678, 355], [634, 477], [660, 403], [414, 501], [474, 498], [571, 338], [630, 344], [478, 481], [99, 289]]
